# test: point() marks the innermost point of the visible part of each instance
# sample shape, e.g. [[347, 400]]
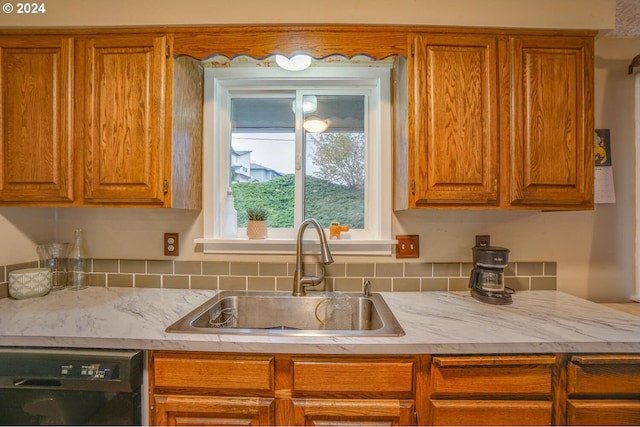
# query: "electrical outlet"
[[408, 246], [483, 240], [171, 244]]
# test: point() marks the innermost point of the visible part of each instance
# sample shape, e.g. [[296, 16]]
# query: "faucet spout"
[[300, 280]]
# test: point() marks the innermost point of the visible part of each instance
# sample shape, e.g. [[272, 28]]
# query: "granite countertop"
[[434, 322]]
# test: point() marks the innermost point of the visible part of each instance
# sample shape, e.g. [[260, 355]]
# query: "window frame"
[[219, 84]]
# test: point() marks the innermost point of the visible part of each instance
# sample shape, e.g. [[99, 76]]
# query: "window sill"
[[288, 246]]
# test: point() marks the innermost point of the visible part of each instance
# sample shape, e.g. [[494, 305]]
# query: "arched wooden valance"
[[317, 41]]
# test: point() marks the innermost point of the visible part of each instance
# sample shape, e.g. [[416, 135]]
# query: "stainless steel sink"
[[280, 313]]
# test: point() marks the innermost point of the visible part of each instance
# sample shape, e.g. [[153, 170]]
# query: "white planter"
[[257, 229]]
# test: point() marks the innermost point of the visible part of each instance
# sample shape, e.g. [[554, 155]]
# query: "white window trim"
[[217, 81]]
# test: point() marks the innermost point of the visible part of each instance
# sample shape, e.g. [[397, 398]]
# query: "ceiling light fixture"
[[309, 104], [295, 63], [315, 125]]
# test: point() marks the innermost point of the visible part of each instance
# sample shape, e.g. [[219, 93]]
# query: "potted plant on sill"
[[257, 225]]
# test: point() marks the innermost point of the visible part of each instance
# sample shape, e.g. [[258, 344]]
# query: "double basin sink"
[[280, 313]]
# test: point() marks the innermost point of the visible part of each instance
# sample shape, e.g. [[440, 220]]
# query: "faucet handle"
[[366, 289]]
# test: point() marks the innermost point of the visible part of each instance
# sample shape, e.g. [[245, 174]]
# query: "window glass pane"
[[262, 158], [335, 160]]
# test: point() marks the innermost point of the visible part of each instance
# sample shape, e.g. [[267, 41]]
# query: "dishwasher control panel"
[[90, 370]]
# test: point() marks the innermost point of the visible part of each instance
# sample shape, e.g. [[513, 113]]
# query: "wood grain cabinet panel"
[[192, 410], [604, 374], [490, 412], [456, 120], [356, 375], [492, 375], [612, 412], [204, 371], [36, 110], [552, 146], [125, 145]]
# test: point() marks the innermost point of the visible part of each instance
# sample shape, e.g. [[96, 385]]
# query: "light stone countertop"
[[434, 322]]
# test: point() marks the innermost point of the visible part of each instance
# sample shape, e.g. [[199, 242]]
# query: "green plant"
[[257, 214]]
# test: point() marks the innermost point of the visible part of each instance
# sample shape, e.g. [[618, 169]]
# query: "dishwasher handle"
[[37, 382]]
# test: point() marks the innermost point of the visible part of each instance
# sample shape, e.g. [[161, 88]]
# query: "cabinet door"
[[186, 410], [456, 157], [125, 92], [552, 143], [314, 412], [36, 139], [603, 412]]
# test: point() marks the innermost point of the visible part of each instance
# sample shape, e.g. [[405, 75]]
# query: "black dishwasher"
[[70, 387]]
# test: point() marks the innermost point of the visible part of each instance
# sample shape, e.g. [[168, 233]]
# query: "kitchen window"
[[262, 151]]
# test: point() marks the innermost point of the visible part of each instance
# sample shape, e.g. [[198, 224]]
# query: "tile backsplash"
[[271, 276]]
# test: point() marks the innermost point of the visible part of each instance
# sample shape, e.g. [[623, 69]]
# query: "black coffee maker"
[[487, 277]]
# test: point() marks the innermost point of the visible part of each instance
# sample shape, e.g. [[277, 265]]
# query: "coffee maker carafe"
[[487, 277]]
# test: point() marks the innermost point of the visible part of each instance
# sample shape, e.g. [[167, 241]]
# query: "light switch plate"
[[408, 246]]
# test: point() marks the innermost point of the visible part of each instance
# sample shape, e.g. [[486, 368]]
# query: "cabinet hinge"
[[167, 51], [413, 48], [413, 187], [165, 186]]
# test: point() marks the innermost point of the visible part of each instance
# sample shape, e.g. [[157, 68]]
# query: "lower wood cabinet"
[[348, 390], [193, 388], [603, 390], [228, 389], [491, 390]]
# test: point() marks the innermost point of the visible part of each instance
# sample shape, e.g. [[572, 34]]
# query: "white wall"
[[591, 14], [594, 249]]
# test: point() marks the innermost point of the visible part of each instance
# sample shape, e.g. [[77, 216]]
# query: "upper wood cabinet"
[[456, 120], [496, 121], [552, 161], [36, 109], [124, 151], [499, 119], [101, 120]]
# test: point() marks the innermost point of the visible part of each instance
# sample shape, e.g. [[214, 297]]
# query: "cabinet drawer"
[[489, 412], [247, 373], [492, 376], [603, 412], [606, 374], [377, 376]]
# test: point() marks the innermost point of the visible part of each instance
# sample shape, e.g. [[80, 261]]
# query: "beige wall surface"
[[589, 14], [594, 249]]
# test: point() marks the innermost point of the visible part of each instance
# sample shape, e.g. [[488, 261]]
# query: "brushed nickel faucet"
[[300, 280]]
